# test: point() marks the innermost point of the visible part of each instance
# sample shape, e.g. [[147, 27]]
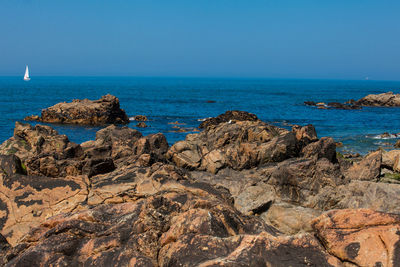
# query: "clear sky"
[[341, 39]]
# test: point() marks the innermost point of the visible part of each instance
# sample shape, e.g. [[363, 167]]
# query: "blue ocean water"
[[167, 100]]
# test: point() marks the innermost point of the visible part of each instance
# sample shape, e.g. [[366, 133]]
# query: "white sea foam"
[[204, 119]]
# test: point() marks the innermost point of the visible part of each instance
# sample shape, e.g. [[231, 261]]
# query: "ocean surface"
[[185, 100]]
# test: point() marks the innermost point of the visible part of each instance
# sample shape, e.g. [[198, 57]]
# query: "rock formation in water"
[[106, 110], [388, 99], [240, 193]]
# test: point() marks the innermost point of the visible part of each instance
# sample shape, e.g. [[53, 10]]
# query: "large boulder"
[[105, 110], [380, 100], [238, 145], [368, 169], [362, 237]]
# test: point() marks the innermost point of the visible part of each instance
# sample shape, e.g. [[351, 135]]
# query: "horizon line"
[[201, 77]]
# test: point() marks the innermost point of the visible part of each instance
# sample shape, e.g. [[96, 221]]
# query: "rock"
[[380, 100], [234, 115], [290, 219], [299, 181], [255, 199], [323, 148], [389, 158], [106, 110], [333, 105], [382, 197], [32, 118], [397, 144], [11, 164], [305, 135], [367, 169], [141, 125], [140, 118], [362, 237], [26, 201], [241, 145]]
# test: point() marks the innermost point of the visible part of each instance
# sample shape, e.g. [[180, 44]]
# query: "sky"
[[341, 39]]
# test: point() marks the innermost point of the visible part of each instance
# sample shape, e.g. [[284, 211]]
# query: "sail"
[[26, 76]]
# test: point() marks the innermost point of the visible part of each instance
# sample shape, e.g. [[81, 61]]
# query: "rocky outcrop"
[[106, 110], [240, 193], [380, 100], [239, 145], [44, 152], [388, 99], [230, 115], [361, 237]]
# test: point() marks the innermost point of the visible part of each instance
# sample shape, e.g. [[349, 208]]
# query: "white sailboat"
[[26, 76]]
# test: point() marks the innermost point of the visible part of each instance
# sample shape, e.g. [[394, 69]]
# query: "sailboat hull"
[[27, 79]]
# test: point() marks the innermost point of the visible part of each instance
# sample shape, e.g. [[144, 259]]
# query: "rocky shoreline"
[[239, 193]]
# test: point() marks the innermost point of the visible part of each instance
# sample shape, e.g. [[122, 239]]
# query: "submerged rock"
[[106, 110]]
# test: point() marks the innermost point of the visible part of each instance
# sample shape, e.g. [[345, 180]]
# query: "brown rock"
[[141, 125], [140, 118], [241, 145], [92, 112], [367, 169], [362, 237], [234, 115], [397, 144], [323, 148], [380, 100]]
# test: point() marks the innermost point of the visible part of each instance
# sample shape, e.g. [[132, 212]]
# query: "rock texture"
[[380, 100], [362, 237], [106, 110], [238, 145], [231, 115], [240, 193]]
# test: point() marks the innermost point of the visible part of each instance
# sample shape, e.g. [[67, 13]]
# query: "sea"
[[176, 106]]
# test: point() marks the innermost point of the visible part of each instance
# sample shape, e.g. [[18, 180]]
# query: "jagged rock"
[[305, 135], [367, 169], [255, 199], [106, 110], [362, 237], [234, 115], [380, 100], [323, 148], [389, 158], [299, 180], [46, 153], [239, 145]]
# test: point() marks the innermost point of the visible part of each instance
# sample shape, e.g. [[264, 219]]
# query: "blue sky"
[[339, 39]]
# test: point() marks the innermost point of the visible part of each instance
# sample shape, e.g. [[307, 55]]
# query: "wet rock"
[[362, 237], [140, 118], [380, 100], [141, 125], [234, 115], [333, 105], [106, 110], [367, 169]]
